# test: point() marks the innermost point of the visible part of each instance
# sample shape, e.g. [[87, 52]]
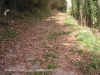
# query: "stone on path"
[[63, 64], [11, 55], [30, 58], [49, 45], [62, 72]]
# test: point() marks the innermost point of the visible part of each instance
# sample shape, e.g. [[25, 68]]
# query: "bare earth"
[[29, 51]]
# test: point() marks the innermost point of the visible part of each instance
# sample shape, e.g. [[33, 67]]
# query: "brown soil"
[[34, 43]]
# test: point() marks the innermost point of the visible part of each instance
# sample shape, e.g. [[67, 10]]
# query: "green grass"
[[38, 73], [9, 34], [1, 57], [8, 74], [1, 40], [50, 58], [91, 58], [54, 35], [87, 39], [35, 61], [28, 73], [53, 54], [50, 55], [89, 63], [52, 66], [40, 38], [70, 22]]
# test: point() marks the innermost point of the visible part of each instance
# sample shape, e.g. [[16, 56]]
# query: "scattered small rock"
[[17, 46], [10, 50], [32, 52], [73, 59], [80, 48], [34, 38], [34, 67], [83, 31], [11, 55], [62, 72], [65, 44], [66, 53], [61, 56], [30, 58], [63, 64], [49, 45]]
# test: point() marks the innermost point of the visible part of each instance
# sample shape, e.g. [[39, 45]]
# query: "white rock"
[[11, 55]]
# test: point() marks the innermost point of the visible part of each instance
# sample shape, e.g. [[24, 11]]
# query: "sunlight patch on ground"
[[59, 18], [87, 47]]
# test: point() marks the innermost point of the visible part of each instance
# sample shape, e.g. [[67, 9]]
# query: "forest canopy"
[[29, 5], [87, 12]]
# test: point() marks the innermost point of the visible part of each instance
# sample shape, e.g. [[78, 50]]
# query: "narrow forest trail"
[[45, 46]]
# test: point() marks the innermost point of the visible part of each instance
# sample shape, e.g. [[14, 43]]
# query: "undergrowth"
[[38, 13], [90, 63], [91, 42], [9, 34], [50, 58], [90, 56]]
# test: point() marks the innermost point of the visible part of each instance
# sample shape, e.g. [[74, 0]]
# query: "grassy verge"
[[90, 63], [90, 56], [9, 34], [54, 35]]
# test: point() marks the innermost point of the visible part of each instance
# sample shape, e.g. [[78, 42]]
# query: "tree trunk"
[[1, 3]]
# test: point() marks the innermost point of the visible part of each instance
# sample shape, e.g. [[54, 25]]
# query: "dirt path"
[[46, 45]]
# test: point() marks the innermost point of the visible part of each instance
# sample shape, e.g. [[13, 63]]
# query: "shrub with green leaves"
[[87, 39], [60, 5], [9, 34], [90, 62]]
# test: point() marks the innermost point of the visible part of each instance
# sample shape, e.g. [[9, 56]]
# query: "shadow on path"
[[45, 46]]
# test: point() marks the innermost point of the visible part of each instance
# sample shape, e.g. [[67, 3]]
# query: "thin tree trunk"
[[1, 3]]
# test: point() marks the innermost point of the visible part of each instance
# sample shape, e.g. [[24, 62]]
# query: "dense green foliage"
[[23, 5], [90, 63], [58, 4], [29, 5], [87, 12], [87, 47], [89, 40]]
